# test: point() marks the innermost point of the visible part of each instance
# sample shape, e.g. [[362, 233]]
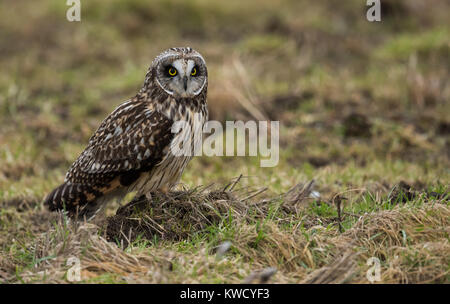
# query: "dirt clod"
[[174, 216]]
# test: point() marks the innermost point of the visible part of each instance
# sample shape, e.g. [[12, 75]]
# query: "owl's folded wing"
[[133, 138]]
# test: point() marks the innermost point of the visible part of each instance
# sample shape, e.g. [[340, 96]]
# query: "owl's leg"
[[164, 191], [148, 196]]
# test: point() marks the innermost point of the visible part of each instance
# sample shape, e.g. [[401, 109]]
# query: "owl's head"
[[180, 72]]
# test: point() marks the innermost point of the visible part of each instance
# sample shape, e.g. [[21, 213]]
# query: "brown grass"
[[411, 243]]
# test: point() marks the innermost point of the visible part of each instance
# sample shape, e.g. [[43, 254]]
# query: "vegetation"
[[364, 141]]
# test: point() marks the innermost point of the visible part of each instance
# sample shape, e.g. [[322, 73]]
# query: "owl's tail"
[[75, 199]]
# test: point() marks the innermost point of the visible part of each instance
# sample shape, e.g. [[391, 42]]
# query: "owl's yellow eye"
[[172, 71], [194, 71]]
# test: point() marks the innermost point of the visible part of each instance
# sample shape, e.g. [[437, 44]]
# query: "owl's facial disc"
[[182, 77]]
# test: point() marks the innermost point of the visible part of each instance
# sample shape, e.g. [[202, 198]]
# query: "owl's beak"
[[185, 82]]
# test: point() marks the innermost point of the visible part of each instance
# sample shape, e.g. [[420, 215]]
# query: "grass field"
[[364, 142]]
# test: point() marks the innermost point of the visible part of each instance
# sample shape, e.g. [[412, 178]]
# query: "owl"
[[132, 150]]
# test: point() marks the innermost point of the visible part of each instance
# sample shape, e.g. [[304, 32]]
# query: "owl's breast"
[[186, 143]]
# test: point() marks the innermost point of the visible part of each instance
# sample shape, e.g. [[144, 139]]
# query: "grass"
[[363, 112]]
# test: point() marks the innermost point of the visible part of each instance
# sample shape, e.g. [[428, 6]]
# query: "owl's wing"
[[133, 138]]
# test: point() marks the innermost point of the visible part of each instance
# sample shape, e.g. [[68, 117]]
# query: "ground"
[[364, 142]]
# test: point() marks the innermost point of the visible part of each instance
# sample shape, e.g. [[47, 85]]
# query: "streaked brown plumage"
[[130, 151]]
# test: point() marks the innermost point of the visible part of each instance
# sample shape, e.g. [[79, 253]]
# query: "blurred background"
[[359, 103]]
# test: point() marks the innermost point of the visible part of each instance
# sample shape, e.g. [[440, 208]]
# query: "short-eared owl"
[[131, 150]]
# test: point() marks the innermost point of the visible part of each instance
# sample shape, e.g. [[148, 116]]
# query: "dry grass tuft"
[[411, 243]]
